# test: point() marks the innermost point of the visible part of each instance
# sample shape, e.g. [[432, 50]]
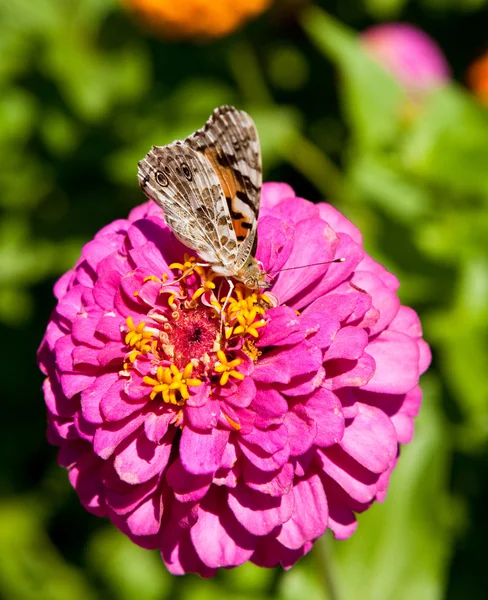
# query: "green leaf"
[[129, 571], [248, 578], [301, 582], [461, 334], [380, 182], [384, 9], [402, 547], [17, 116], [372, 100], [447, 144], [31, 568]]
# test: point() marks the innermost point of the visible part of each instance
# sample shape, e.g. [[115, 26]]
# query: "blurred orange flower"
[[478, 78], [196, 18]]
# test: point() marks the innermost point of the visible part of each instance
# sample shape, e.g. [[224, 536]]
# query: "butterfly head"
[[253, 276]]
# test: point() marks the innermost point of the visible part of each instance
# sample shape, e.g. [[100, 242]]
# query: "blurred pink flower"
[[408, 54], [247, 449]]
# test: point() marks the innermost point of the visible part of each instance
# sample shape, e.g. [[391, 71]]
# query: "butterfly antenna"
[[326, 262]]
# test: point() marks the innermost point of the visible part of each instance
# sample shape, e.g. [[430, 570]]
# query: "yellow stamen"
[[228, 368], [250, 349], [169, 381], [207, 282], [151, 278], [137, 336]]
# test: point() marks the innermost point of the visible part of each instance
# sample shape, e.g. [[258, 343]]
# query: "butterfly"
[[209, 187]]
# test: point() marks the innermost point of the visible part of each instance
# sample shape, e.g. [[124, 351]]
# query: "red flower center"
[[193, 337], [203, 334]]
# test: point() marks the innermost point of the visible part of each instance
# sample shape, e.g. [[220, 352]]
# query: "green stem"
[[274, 587], [309, 160], [321, 552], [247, 72], [299, 152]]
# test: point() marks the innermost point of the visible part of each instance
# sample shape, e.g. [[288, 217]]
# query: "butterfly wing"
[[230, 142], [184, 184]]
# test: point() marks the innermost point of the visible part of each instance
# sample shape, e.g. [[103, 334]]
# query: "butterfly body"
[[209, 187]]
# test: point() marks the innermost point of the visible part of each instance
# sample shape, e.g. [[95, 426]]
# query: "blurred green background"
[[84, 92]]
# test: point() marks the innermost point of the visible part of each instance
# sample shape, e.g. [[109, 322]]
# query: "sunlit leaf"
[[31, 568], [401, 547], [372, 100], [129, 571]]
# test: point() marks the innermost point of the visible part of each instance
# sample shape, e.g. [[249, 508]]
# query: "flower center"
[[196, 333], [193, 337]]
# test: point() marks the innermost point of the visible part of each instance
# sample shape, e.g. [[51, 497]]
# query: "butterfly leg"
[[222, 312], [185, 274]]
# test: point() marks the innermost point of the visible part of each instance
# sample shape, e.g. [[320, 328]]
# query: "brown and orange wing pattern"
[[229, 141], [184, 184]]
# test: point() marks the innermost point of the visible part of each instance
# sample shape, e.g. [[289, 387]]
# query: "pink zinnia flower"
[[219, 450], [409, 54]]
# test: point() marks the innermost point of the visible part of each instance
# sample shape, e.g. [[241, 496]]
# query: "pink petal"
[[272, 193], [320, 327], [269, 406], [338, 222], [269, 553], [86, 480], [260, 513], [272, 440], [314, 241], [140, 459], [112, 352], [349, 373], [109, 327], [179, 554], [244, 394], [74, 383], [295, 209], [275, 243], [280, 366], [397, 363], [92, 396], [109, 271], [187, 487], [70, 305], [370, 439], [108, 437], [354, 479], [202, 452], [262, 460], [425, 356], [301, 430], [349, 343], [310, 518], [220, 541], [274, 483], [203, 417], [115, 404], [384, 298], [341, 306], [283, 327], [84, 355], [325, 409], [333, 274], [406, 321], [156, 425], [127, 500], [342, 520], [63, 348]]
